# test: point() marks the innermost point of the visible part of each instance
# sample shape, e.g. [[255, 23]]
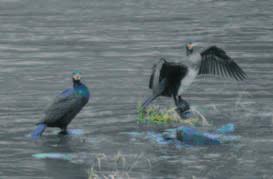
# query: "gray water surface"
[[114, 44]]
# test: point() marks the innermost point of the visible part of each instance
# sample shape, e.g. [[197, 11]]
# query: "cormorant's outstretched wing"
[[215, 61], [63, 104]]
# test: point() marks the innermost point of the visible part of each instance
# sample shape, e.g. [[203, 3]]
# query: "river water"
[[114, 44]]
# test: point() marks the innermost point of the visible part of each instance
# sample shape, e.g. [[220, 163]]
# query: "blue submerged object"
[[189, 136], [192, 136]]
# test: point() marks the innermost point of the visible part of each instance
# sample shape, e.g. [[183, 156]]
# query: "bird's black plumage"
[[66, 106], [215, 61], [172, 74]]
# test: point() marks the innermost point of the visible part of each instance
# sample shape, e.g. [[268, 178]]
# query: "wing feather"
[[217, 68], [61, 106], [214, 68], [224, 71], [215, 61]]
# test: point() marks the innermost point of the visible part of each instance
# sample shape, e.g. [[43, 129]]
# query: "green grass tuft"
[[156, 115]]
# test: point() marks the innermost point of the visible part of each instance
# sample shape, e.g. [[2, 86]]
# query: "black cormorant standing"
[[64, 107], [172, 79]]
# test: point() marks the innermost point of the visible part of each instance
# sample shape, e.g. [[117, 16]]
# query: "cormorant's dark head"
[[189, 48], [76, 76]]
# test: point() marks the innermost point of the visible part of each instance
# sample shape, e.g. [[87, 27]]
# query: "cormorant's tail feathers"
[[38, 131], [148, 101]]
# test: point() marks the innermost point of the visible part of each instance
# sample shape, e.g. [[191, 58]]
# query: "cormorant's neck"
[[194, 61], [76, 83], [189, 51]]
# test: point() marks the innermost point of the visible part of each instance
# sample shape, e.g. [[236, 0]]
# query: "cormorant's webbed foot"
[[183, 107]]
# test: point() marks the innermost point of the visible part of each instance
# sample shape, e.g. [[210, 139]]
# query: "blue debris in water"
[[189, 136], [227, 128], [63, 156], [192, 136]]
